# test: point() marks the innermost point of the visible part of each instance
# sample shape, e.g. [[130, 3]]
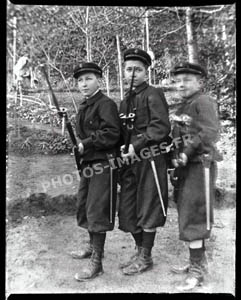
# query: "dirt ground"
[[37, 248], [38, 259]]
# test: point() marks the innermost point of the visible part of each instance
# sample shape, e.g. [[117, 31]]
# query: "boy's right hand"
[[175, 163], [173, 178], [181, 161]]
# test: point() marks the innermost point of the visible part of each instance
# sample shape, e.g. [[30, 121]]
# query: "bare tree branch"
[[211, 11], [10, 53], [170, 32], [76, 23], [58, 70]]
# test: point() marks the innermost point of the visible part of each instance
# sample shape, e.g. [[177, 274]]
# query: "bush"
[[39, 114], [32, 141]]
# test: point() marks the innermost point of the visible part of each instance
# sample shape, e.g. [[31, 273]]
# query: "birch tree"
[[191, 41]]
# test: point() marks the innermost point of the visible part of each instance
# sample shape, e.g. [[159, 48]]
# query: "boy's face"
[[187, 84], [140, 72], [88, 83]]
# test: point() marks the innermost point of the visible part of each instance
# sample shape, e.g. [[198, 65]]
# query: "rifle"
[[180, 121], [183, 121], [128, 118], [62, 112]]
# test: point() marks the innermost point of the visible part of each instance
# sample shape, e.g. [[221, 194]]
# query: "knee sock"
[[138, 238], [203, 245], [148, 239], [196, 255], [99, 241], [91, 237]]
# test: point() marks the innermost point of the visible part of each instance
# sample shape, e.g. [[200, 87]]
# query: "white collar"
[[93, 94]]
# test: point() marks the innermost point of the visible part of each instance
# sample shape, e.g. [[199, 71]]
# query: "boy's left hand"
[[129, 154], [182, 161], [81, 148]]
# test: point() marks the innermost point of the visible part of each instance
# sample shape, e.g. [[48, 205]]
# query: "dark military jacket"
[[151, 124], [203, 130], [98, 127]]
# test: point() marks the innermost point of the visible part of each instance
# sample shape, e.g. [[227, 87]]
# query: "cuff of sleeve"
[[189, 151], [138, 144], [87, 142]]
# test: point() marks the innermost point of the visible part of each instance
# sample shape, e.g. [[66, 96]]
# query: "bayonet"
[[62, 112], [157, 184]]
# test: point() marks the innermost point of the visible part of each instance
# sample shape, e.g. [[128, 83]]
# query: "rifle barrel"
[[129, 117], [51, 90], [63, 114]]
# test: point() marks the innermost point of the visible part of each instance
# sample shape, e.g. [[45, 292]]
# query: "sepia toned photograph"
[[121, 149]]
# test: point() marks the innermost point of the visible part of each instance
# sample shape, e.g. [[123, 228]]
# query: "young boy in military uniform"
[[140, 211], [98, 127], [197, 122]]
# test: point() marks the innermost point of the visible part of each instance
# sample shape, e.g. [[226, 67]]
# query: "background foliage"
[[62, 36]]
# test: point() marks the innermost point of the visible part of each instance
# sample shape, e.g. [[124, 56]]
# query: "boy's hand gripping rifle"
[[62, 112], [181, 121], [128, 118]]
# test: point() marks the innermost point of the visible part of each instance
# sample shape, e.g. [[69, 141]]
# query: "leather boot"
[[93, 269], [180, 269], [185, 268], [132, 258], [86, 252], [141, 264], [196, 272], [83, 253]]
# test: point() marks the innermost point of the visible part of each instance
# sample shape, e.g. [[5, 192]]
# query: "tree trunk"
[[87, 35], [143, 35], [15, 84], [191, 43], [147, 42], [31, 65], [120, 66], [14, 47], [224, 34], [107, 81], [214, 27], [90, 51]]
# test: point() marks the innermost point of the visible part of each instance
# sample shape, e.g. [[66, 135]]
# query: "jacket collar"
[[138, 89], [91, 100], [192, 98], [141, 87]]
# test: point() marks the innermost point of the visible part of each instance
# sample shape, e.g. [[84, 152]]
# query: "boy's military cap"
[[187, 67], [137, 54], [87, 67]]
